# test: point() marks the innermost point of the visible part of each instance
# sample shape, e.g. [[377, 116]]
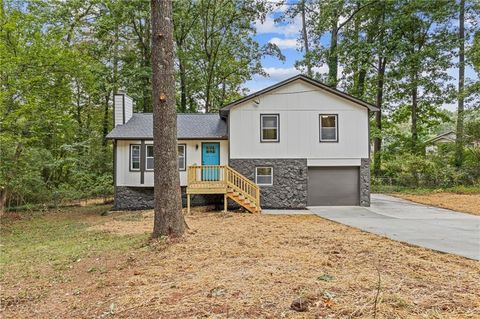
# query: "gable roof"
[[449, 135], [226, 109], [189, 126]]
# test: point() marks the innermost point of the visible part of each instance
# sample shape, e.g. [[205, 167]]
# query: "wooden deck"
[[207, 187], [222, 179]]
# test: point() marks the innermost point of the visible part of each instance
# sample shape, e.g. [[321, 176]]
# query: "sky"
[[285, 36]]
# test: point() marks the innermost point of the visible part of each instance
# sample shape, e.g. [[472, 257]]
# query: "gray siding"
[[289, 189]]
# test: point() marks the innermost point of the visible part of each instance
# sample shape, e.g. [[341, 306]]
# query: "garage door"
[[333, 186]]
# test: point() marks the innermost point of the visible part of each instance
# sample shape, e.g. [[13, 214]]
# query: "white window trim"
[[256, 175], [184, 157], [139, 157], [277, 116], [336, 128], [147, 157]]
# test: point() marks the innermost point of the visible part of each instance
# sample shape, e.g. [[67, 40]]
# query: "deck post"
[[225, 202], [188, 204]]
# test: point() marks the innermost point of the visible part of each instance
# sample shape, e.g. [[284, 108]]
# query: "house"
[[295, 144], [433, 143]]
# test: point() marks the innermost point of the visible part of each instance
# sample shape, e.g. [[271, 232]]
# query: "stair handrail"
[[240, 183], [230, 177]]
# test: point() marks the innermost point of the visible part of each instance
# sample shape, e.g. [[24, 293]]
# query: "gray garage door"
[[333, 186]]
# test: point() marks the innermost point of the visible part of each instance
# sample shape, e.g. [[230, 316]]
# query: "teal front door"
[[210, 156]]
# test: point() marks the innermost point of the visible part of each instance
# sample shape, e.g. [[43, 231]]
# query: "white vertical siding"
[[128, 108], [299, 105], [118, 105], [118, 109], [194, 157]]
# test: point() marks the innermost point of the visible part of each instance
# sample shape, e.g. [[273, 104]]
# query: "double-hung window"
[[135, 157], [149, 157], [328, 128], [269, 127], [264, 175], [182, 157]]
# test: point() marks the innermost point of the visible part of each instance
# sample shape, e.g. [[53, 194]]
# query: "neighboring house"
[[432, 144], [303, 143]]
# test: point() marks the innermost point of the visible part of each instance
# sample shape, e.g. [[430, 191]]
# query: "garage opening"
[[333, 186]]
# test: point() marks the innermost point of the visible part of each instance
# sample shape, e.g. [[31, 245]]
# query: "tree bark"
[[3, 200], [183, 86], [414, 111], [106, 119], [333, 55], [461, 83], [377, 142], [305, 39], [169, 220]]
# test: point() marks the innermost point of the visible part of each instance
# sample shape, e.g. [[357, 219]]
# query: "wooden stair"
[[242, 201], [222, 179]]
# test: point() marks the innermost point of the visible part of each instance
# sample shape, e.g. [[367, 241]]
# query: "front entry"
[[210, 156]]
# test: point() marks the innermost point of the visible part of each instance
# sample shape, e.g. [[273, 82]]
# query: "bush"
[[432, 170]]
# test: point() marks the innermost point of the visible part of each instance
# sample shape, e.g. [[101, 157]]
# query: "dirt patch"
[[467, 203], [251, 266], [127, 223]]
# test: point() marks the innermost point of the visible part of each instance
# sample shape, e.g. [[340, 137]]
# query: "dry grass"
[[249, 266], [467, 203]]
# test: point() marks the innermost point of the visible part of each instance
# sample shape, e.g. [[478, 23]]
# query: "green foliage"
[[435, 169]]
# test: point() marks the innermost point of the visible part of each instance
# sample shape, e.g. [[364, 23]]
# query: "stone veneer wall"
[[137, 198], [289, 189], [365, 182]]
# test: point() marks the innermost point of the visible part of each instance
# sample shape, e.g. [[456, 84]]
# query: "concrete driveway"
[[436, 228]]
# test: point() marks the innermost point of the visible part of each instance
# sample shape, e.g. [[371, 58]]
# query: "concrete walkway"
[[436, 228]]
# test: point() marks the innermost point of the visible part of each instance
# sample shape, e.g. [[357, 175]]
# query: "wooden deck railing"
[[243, 185], [216, 176]]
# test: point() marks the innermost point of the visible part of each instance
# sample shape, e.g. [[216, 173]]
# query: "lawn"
[[462, 199], [82, 263]]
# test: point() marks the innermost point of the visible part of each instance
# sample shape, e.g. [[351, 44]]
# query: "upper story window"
[[264, 175], [149, 158], [134, 157], [269, 127], [182, 157], [328, 128]]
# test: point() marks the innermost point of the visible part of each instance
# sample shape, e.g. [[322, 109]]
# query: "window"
[[134, 157], [264, 175], [182, 157], [328, 128], [149, 158], [269, 124]]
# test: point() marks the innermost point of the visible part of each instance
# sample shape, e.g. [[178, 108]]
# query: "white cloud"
[[284, 43], [286, 29], [279, 74]]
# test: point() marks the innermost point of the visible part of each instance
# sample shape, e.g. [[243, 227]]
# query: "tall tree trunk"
[[377, 142], [106, 118], [332, 54], [3, 200], [414, 112], [305, 39], [146, 61], [169, 220], [183, 86], [461, 83]]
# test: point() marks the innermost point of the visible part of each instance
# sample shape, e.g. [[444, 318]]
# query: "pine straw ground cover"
[[467, 203], [230, 265]]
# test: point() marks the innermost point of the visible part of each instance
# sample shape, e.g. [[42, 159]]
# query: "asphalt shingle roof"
[[189, 126]]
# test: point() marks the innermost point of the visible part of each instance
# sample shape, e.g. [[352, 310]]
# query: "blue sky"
[[285, 35]]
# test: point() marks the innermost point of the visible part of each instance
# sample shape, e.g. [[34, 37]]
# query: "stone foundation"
[[289, 189], [138, 198], [365, 182]]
